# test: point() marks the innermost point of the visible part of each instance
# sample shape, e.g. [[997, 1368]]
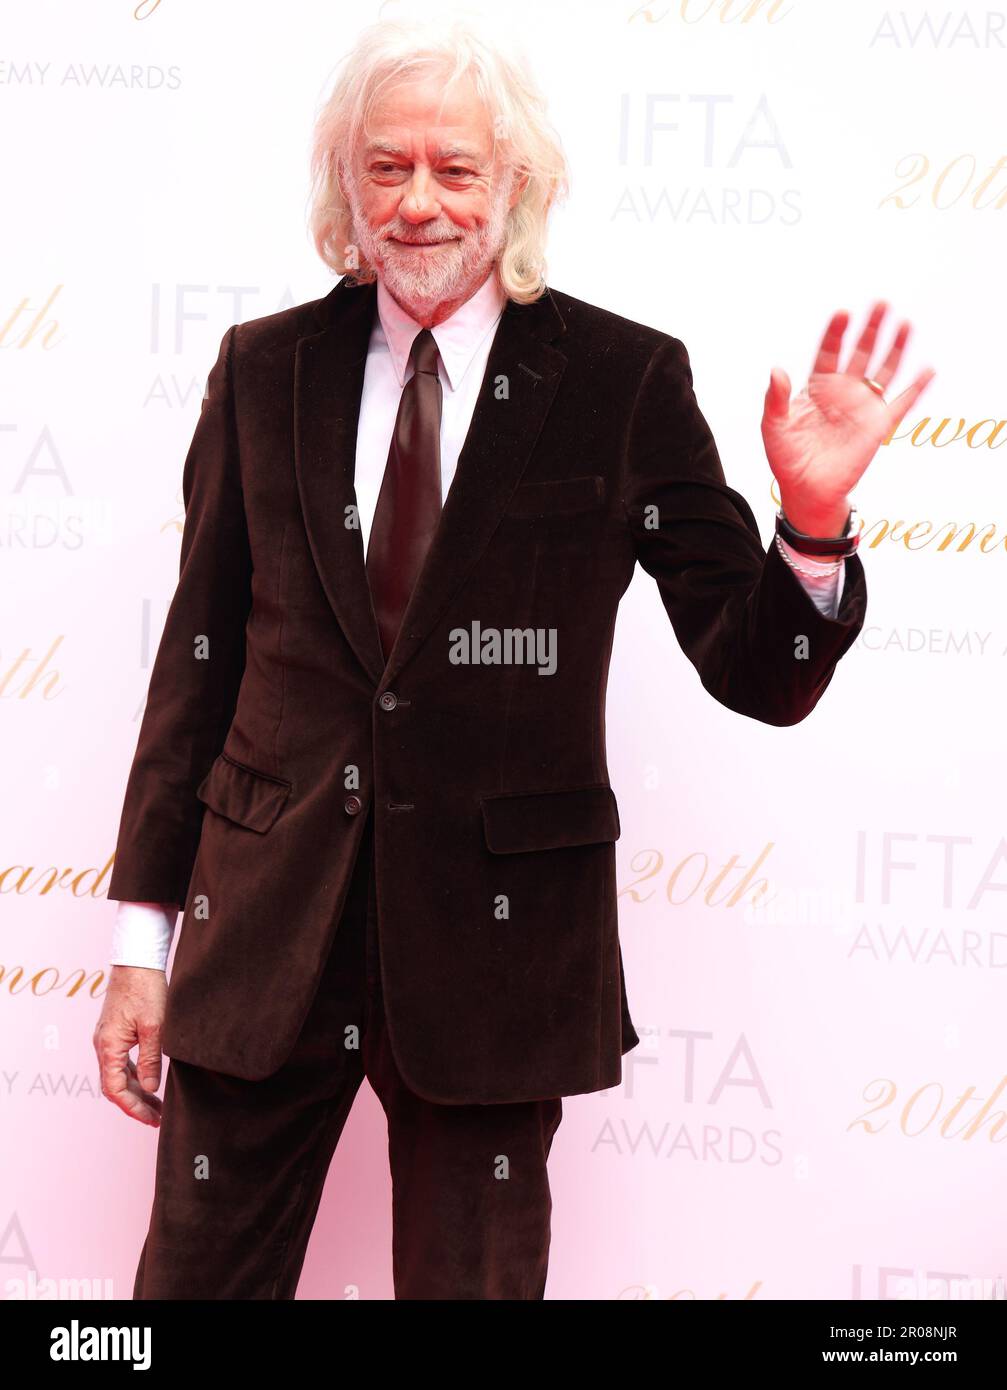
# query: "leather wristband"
[[832, 547]]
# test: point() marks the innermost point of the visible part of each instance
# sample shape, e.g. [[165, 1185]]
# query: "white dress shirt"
[[142, 932]]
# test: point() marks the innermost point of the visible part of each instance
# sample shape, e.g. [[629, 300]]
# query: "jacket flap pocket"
[[550, 820], [251, 798], [562, 497]]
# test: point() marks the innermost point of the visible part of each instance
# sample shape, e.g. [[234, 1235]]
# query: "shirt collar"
[[457, 337]]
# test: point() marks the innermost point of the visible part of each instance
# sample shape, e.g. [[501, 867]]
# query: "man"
[[372, 765]]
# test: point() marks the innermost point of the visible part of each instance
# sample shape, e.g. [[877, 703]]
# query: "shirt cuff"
[[825, 589], [142, 933]]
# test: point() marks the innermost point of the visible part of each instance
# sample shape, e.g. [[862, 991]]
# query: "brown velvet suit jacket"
[[486, 783]]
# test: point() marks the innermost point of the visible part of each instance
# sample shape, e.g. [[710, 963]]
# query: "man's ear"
[[519, 184]]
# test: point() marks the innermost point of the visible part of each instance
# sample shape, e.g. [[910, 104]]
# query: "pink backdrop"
[[815, 1109]]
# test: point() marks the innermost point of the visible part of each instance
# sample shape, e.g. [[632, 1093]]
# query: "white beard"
[[422, 280]]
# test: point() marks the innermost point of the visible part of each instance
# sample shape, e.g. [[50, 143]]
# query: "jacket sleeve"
[[740, 614], [193, 687]]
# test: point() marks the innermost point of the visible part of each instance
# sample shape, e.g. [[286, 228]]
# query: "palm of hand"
[[832, 431], [820, 443]]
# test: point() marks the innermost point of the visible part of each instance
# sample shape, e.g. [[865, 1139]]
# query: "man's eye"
[[456, 171]]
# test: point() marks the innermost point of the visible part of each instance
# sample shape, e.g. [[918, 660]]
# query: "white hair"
[[523, 139]]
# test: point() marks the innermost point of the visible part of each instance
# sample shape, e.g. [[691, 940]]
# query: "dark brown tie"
[[409, 503]]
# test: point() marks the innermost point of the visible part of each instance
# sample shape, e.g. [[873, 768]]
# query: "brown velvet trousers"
[[241, 1164]]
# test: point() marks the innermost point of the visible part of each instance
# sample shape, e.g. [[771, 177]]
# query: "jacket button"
[[388, 700], [352, 805]]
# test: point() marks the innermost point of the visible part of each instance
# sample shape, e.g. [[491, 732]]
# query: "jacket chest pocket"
[[242, 794]]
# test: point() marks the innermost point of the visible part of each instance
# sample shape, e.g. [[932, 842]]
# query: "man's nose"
[[419, 201]]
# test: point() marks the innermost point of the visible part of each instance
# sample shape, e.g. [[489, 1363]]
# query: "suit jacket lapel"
[[328, 380], [522, 375]]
